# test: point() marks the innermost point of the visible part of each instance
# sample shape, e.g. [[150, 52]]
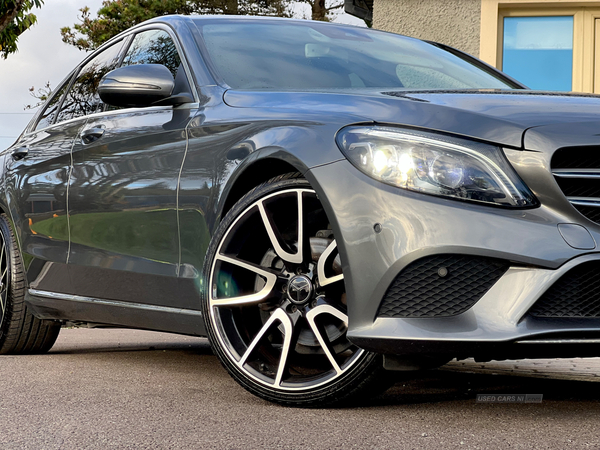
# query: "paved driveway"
[[137, 389]]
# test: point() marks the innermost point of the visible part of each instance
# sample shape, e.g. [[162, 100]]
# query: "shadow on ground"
[[440, 386], [197, 347], [428, 387]]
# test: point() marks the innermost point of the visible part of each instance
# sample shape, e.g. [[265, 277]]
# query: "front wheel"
[[20, 331], [274, 301]]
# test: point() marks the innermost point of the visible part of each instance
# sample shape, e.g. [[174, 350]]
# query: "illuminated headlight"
[[435, 164]]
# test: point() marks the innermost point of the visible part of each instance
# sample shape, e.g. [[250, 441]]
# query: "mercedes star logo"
[[299, 289]]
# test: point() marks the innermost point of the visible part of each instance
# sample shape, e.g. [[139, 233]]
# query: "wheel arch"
[[5, 208], [252, 173]]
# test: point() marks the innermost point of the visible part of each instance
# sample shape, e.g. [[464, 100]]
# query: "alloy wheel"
[[276, 297]]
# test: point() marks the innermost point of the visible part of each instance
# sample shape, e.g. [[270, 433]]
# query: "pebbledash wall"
[[535, 39], [452, 22]]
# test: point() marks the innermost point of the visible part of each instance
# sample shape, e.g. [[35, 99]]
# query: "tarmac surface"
[[112, 388]]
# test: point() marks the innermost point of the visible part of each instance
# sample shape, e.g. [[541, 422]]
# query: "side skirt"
[[57, 306]]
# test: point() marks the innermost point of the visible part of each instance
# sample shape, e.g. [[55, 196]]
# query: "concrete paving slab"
[[580, 369]]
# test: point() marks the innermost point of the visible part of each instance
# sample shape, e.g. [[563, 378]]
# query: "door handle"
[[20, 152], [92, 134]]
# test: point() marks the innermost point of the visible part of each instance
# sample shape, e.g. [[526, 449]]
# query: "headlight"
[[435, 164]]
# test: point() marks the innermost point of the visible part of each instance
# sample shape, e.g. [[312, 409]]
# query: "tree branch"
[[10, 14], [339, 5]]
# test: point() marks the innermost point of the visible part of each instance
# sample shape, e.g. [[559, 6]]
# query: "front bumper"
[[413, 226]]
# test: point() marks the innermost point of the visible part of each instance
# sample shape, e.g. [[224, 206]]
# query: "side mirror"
[[137, 86]]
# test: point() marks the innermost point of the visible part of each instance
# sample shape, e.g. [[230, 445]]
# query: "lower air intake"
[[575, 294], [441, 286]]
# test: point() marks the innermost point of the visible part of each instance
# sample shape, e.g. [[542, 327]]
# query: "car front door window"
[[83, 99], [153, 47]]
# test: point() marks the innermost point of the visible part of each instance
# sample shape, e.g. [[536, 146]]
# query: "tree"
[[118, 15], [277, 8], [322, 9], [41, 95], [15, 18]]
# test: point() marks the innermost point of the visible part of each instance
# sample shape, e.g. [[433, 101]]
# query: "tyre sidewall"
[[14, 296], [6, 317]]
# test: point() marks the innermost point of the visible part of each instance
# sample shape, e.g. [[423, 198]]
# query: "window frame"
[[584, 15], [547, 12], [32, 127]]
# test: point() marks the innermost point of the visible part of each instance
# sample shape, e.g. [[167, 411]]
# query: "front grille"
[[576, 158], [579, 187], [577, 172], [441, 286], [575, 294]]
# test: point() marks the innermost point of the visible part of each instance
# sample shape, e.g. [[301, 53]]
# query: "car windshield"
[[287, 55]]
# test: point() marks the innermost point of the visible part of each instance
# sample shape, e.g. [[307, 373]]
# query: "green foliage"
[[15, 18], [116, 16]]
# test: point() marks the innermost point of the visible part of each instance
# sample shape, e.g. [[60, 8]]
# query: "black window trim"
[[126, 39], [38, 117]]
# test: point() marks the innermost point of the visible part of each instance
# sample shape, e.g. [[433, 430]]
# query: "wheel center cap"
[[299, 289]]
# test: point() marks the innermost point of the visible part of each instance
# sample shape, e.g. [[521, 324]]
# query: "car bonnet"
[[500, 117]]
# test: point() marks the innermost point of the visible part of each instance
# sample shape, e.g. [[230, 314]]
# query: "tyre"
[[20, 331], [274, 301]]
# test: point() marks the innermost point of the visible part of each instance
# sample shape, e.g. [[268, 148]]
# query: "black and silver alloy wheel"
[[275, 302]]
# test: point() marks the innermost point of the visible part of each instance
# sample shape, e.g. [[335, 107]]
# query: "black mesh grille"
[[579, 187], [591, 213], [575, 158], [422, 290], [575, 294]]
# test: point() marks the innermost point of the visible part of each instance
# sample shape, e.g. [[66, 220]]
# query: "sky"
[[43, 57]]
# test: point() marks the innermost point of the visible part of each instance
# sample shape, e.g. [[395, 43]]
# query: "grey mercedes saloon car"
[[326, 203]]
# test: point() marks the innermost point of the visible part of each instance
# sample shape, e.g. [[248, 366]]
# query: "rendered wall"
[[451, 22]]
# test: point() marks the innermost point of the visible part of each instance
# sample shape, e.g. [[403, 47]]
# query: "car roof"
[[179, 19]]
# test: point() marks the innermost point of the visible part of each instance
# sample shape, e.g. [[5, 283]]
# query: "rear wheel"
[[20, 331], [275, 302]]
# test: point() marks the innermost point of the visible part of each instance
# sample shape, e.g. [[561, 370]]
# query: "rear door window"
[[47, 117]]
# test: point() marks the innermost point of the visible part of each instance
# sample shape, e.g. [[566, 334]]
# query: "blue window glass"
[[538, 51]]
